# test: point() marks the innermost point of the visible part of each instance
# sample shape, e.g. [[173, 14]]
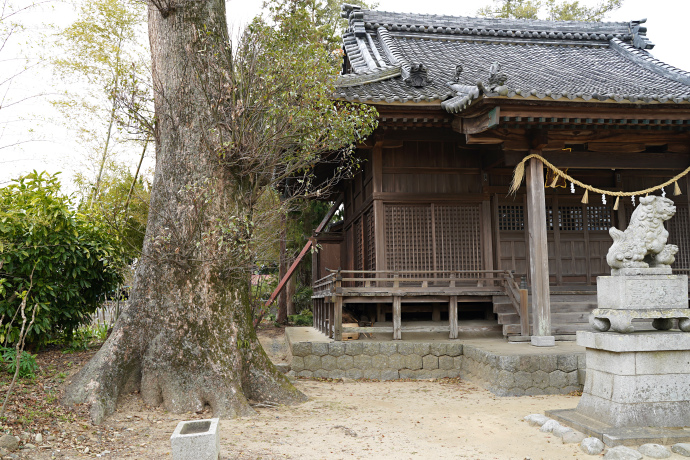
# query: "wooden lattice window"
[[359, 244], [408, 237], [370, 239], [549, 218], [679, 234], [433, 237], [457, 237], [511, 217], [570, 218], [599, 218]]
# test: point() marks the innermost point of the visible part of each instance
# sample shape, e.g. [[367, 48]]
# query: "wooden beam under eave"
[[478, 124], [607, 160]]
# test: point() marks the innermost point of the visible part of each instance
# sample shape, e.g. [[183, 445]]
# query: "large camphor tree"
[[231, 123]]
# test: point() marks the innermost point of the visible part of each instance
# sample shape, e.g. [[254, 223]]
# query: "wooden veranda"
[[396, 287]]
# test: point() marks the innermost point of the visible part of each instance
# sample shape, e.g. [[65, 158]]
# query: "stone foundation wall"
[[503, 375], [376, 360], [518, 375]]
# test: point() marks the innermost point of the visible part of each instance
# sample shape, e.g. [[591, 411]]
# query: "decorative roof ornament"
[[458, 71], [497, 81], [496, 77], [419, 76], [639, 35], [355, 17]]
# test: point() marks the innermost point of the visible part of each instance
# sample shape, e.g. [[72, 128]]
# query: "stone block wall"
[[503, 375], [518, 375], [376, 360]]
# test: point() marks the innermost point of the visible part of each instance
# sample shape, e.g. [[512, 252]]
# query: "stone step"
[[556, 307], [564, 328]]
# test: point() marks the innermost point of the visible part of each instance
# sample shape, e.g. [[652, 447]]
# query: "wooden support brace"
[[397, 318], [306, 248]]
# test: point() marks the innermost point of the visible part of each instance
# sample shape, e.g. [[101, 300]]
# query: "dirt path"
[[448, 419]]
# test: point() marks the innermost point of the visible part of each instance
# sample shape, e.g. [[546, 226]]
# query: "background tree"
[[230, 127], [122, 206], [16, 62], [101, 53], [554, 10]]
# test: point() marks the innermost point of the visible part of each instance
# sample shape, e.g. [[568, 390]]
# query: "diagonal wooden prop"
[[306, 248]]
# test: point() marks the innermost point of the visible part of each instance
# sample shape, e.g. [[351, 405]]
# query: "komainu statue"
[[643, 243]]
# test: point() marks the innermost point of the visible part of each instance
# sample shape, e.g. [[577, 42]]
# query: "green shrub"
[[69, 260], [302, 299], [27, 362], [78, 340], [301, 319]]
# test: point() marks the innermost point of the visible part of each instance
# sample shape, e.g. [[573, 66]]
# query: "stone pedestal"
[[638, 379], [637, 388], [646, 293]]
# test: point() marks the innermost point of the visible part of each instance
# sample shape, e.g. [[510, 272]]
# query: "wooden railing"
[[518, 297], [397, 283]]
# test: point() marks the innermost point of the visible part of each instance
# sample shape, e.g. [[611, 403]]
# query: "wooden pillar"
[[524, 313], [538, 251], [687, 193], [397, 318], [380, 313], [487, 238], [453, 316], [338, 320], [322, 317], [379, 221], [436, 312]]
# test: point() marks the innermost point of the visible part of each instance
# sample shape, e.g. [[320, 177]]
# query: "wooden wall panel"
[[329, 257], [445, 169]]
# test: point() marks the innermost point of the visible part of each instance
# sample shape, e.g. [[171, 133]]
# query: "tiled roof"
[[463, 59]]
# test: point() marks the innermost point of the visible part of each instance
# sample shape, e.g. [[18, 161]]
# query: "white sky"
[[57, 151]]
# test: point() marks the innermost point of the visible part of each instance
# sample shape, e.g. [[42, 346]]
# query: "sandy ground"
[[448, 419]]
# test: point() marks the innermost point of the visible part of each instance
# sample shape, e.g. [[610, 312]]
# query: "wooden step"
[[508, 318], [504, 308]]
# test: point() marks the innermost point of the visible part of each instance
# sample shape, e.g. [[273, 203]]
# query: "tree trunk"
[[281, 316], [186, 340], [290, 289]]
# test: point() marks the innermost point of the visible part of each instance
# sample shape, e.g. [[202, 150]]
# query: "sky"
[[45, 144]]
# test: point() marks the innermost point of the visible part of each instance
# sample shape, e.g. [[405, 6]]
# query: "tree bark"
[[186, 340], [290, 289]]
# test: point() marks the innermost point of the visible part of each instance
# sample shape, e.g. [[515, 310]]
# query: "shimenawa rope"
[[519, 173]]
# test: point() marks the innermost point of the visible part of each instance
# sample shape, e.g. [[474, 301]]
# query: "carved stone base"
[[642, 291], [603, 319]]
